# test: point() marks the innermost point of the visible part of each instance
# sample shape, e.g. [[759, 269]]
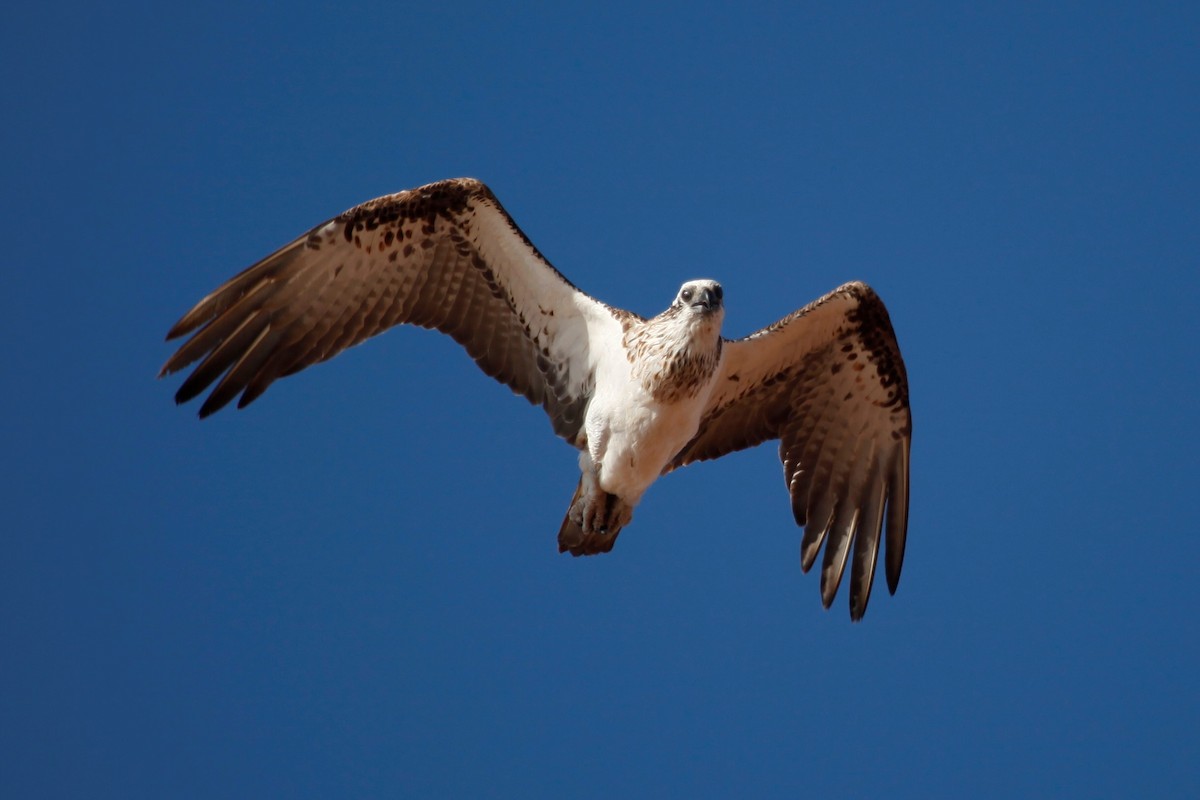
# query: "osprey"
[[638, 397]]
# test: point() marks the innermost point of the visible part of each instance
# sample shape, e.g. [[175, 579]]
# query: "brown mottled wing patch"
[[444, 256], [829, 383]]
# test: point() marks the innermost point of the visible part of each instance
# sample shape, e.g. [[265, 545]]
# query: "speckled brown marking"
[[874, 328], [669, 372], [628, 319], [444, 200], [683, 378]]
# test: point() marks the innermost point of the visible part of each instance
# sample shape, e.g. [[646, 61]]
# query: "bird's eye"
[[686, 295], [718, 292]]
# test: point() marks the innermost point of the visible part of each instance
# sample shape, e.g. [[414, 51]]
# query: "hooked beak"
[[705, 299]]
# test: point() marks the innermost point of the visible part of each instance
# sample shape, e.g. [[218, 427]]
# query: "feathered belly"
[[633, 442]]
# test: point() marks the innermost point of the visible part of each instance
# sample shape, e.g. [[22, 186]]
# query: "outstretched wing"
[[444, 256], [829, 382]]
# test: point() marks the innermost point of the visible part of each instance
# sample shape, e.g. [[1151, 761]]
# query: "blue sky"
[[352, 588]]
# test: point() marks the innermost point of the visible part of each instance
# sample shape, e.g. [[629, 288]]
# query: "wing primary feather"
[[836, 551], [866, 543], [897, 515], [799, 478], [808, 451], [292, 338], [236, 378], [819, 520], [216, 330], [225, 354], [232, 290], [826, 486], [841, 488]]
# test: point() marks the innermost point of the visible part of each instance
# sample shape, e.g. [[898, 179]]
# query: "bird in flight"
[[638, 397]]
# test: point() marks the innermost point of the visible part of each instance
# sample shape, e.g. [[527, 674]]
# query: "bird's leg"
[[595, 505], [586, 510], [597, 516], [579, 501]]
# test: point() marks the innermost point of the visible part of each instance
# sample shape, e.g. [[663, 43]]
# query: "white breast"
[[631, 435]]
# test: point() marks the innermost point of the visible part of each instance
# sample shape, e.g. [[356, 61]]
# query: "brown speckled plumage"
[[668, 368]]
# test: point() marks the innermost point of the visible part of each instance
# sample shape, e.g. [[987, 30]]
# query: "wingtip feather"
[[897, 519]]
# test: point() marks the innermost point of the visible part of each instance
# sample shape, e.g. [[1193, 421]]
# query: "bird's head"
[[697, 313], [704, 297], [691, 324]]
